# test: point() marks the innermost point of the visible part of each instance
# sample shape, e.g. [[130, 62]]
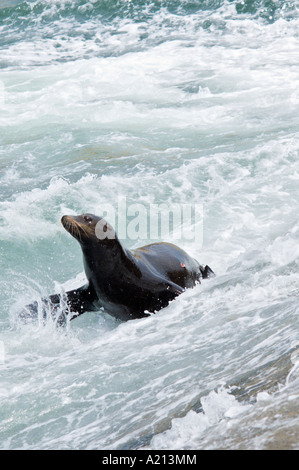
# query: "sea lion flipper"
[[206, 272], [59, 306], [174, 288], [82, 300]]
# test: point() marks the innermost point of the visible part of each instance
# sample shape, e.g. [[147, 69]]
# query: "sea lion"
[[128, 284]]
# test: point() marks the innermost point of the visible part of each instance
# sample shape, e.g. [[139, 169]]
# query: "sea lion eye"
[[105, 228], [87, 218]]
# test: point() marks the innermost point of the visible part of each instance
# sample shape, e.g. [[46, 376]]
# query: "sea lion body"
[[128, 284], [144, 281]]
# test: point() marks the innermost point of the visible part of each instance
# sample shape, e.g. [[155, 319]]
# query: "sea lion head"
[[88, 228]]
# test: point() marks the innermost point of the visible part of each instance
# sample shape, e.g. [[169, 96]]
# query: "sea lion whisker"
[[83, 230], [79, 233], [75, 230]]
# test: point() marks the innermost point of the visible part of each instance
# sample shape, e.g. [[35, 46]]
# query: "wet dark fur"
[[128, 284]]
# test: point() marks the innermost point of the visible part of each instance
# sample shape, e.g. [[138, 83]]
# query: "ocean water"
[[152, 102]]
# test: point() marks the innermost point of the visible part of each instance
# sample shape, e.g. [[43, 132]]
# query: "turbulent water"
[[152, 102]]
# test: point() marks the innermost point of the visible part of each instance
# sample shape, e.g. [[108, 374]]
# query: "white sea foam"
[[226, 424]]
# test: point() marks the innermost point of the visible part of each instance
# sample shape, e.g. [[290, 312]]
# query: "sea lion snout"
[[71, 225], [66, 220]]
